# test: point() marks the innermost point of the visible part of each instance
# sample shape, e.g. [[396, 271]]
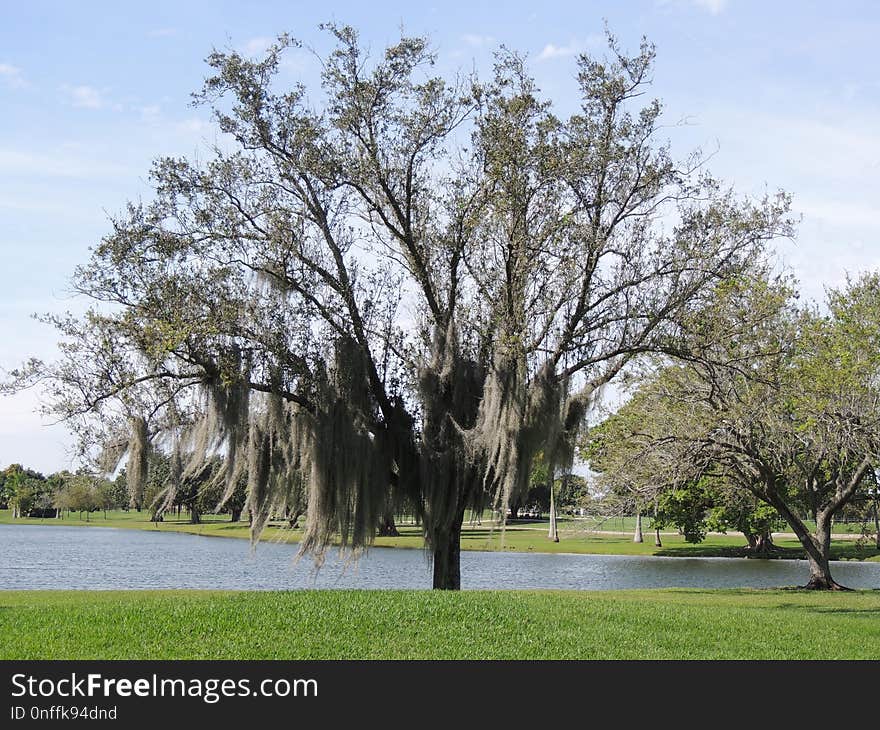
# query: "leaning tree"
[[779, 401], [394, 289], [644, 456]]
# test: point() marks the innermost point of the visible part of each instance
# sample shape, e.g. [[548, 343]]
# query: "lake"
[[44, 557]]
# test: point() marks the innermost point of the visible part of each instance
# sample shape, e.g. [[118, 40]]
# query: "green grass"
[[575, 537], [655, 624], [627, 523]]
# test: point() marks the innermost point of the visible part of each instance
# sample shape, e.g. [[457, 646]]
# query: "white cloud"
[[257, 46], [163, 32], [839, 214], [840, 148], [12, 76], [58, 164], [714, 7], [296, 61], [192, 126], [27, 438], [553, 51], [85, 97], [574, 47], [828, 161], [150, 113], [474, 40], [594, 41]]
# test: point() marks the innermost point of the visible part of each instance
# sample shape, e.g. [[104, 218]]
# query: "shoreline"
[[528, 537]]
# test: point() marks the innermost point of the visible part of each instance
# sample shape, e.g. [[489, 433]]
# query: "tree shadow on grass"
[[729, 551], [871, 611], [788, 590], [749, 591], [854, 551]]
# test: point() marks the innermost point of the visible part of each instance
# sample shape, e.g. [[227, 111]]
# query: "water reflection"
[[81, 558]]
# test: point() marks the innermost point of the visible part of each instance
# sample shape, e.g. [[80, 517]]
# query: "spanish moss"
[[138, 461], [347, 464]]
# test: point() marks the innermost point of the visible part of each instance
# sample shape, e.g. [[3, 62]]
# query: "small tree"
[[82, 495], [106, 495], [23, 490]]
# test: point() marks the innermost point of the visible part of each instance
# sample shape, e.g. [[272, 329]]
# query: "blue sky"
[[785, 94]]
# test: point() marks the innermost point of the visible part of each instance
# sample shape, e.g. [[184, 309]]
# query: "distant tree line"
[[29, 493]]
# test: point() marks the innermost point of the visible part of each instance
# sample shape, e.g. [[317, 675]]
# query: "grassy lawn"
[[575, 537], [655, 624], [628, 524]]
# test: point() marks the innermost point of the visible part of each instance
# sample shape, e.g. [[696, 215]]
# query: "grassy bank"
[[576, 536], [667, 624]]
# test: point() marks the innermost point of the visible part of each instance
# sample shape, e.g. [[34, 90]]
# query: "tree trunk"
[[387, 527], [818, 548], [236, 514], [554, 532], [765, 544], [657, 541], [638, 535], [876, 525], [447, 560], [195, 516], [293, 519], [760, 545]]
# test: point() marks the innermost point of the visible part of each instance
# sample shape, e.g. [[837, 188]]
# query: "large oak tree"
[[395, 288]]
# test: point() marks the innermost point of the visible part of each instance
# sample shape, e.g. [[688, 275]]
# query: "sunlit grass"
[[650, 624]]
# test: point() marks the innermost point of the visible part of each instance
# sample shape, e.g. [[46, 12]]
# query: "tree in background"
[[397, 288], [740, 510], [779, 401], [120, 490], [23, 491], [711, 504], [80, 494], [567, 491]]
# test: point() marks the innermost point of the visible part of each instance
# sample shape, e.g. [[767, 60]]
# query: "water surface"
[[57, 557]]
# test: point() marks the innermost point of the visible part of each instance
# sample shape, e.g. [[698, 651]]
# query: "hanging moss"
[[515, 422], [224, 425], [346, 462], [112, 453], [167, 496], [259, 472], [449, 475], [475, 440], [138, 459]]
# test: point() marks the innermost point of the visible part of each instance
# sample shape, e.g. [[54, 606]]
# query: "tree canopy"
[[395, 287], [778, 400]]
